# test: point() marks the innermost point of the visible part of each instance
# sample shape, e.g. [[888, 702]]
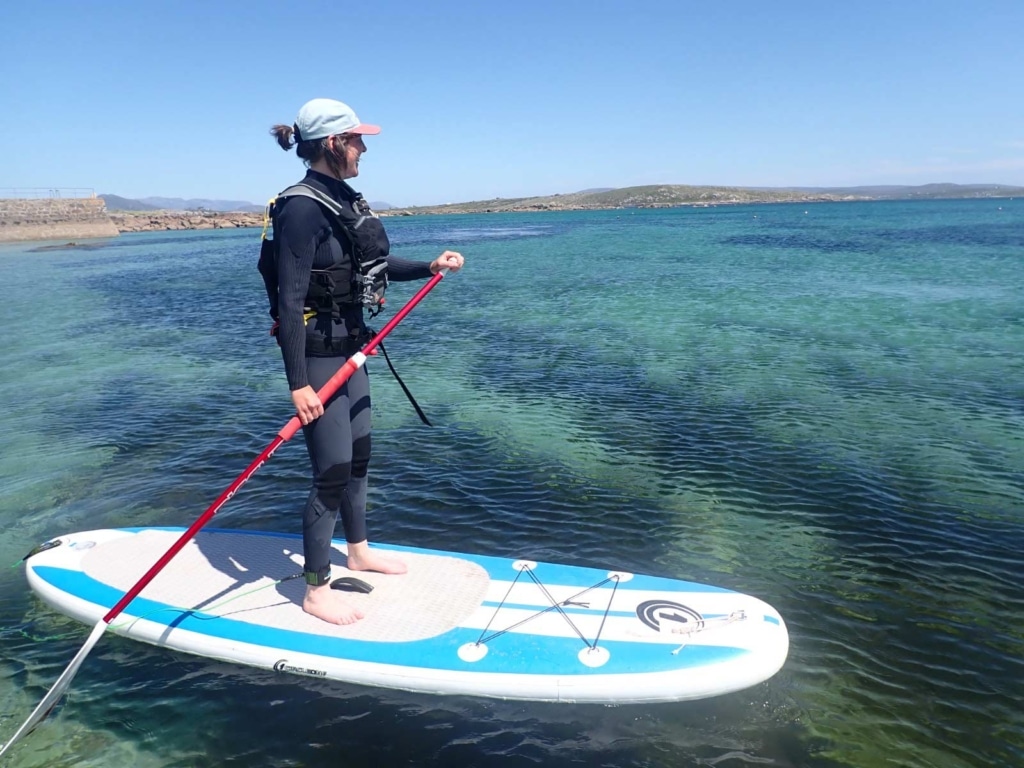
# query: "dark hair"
[[310, 151]]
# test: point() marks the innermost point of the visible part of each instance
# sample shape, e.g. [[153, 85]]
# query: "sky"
[[489, 99]]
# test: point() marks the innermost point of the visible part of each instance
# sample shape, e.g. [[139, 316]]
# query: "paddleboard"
[[454, 624]]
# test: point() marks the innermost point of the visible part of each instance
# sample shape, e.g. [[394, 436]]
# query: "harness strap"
[[408, 394], [305, 190], [267, 218]]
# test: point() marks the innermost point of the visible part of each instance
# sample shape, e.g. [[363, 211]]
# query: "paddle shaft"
[[344, 373]]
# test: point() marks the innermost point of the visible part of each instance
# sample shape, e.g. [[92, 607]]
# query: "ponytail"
[[288, 136], [283, 134]]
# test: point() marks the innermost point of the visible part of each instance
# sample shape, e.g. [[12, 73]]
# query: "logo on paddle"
[[666, 616], [284, 666]]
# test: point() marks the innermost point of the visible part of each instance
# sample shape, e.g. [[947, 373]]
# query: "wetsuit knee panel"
[[360, 456], [332, 484]]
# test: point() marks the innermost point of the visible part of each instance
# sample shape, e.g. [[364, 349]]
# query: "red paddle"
[[351, 365]]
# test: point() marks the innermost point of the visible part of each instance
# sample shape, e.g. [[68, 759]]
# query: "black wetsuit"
[[339, 441]]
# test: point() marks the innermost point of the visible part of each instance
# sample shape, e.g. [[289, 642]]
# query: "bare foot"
[[327, 604], [362, 558]]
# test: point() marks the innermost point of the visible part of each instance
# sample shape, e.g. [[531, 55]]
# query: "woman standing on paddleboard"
[[332, 264]]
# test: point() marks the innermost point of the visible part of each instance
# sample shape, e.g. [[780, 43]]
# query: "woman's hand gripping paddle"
[[353, 364]]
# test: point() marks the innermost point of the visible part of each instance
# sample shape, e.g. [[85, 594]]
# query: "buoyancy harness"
[[331, 290], [326, 293]]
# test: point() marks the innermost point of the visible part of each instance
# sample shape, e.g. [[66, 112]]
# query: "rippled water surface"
[[823, 407]]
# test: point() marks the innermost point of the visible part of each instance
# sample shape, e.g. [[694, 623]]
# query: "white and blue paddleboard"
[[454, 624]]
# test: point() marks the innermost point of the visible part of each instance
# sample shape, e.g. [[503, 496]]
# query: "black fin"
[[352, 584]]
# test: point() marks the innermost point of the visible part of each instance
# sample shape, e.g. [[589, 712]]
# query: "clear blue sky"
[[487, 99]]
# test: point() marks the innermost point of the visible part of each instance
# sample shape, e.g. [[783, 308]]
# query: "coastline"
[[125, 222], [162, 221], [155, 221], [57, 218]]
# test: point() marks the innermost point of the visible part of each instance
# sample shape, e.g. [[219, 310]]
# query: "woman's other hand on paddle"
[[450, 259], [307, 405]]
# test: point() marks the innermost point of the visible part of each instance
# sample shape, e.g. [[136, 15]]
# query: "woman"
[[321, 323]]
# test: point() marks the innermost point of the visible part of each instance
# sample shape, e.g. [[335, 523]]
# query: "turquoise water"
[[822, 406]]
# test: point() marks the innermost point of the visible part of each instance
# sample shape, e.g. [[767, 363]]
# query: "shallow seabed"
[[822, 406]]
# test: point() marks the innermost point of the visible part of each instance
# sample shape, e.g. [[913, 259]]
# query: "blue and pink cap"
[[320, 118]]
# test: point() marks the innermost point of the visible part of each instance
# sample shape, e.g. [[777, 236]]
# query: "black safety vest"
[[361, 283]]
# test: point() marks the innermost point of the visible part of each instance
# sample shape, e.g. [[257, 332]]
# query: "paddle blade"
[[56, 693]]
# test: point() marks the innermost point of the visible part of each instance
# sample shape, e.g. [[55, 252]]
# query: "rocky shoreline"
[[655, 196], [161, 221]]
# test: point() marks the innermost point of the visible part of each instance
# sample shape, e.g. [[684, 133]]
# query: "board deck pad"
[[453, 624], [213, 569]]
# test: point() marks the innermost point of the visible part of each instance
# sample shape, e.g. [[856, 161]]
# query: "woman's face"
[[350, 147]]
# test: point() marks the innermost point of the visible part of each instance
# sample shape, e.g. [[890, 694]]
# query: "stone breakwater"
[[74, 219], [54, 219]]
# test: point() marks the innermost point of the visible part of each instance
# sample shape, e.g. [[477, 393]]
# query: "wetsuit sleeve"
[[299, 227], [403, 270]]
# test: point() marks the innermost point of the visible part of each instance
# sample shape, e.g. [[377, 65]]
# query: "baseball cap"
[[320, 118]]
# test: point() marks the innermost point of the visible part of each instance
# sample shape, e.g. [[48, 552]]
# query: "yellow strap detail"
[[266, 218], [306, 317]]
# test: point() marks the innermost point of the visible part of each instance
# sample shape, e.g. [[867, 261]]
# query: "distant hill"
[[191, 204], [116, 203], [923, 191], [651, 196], [671, 195]]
